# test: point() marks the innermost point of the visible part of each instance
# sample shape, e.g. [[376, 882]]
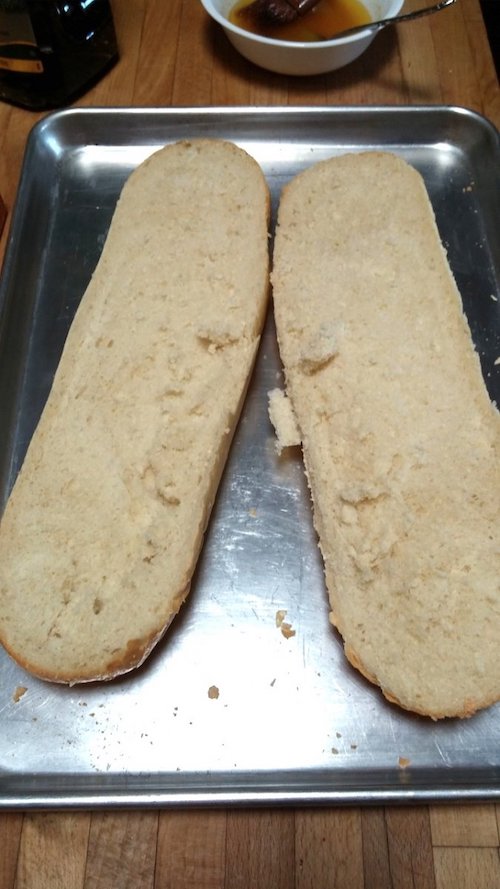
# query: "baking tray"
[[227, 710]]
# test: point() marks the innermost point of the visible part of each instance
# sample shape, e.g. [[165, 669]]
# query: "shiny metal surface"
[[292, 722]]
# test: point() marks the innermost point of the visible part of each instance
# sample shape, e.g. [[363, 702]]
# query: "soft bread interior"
[[101, 534], [400, 439]]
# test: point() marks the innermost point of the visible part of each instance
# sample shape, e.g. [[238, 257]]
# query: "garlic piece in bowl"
[[297, 58]]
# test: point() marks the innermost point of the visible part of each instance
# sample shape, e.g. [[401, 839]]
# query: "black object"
[[491, 15], [53, 50]]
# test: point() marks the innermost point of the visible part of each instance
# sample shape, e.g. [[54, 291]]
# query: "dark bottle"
[[51, 51]]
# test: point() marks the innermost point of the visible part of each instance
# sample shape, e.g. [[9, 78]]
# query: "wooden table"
[[172, 56]]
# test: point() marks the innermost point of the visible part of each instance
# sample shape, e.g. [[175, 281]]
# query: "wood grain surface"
[[171, 55], [445, 847]]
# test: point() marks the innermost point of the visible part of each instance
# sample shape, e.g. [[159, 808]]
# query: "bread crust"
[[103, 528]]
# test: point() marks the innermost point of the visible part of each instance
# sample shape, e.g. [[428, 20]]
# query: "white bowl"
[[287, 57]]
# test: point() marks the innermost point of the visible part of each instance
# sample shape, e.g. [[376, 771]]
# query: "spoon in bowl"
[[280, 12], [404, 17]]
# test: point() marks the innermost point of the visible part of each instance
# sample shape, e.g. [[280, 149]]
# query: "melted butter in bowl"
[[301, 55], [322, 22]]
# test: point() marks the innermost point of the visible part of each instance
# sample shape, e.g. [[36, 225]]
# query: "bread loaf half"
[[401, 442], [104, 525]]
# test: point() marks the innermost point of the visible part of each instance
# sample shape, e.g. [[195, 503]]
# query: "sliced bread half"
[[401, 442], [102, 531]]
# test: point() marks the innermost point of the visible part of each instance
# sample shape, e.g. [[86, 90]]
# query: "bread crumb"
[[403, 762], [280, 616], [252, 512], [283, 420], [213, 692], [286, 630], [19, 692]]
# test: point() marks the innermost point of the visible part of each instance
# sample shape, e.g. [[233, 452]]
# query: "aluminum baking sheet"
[[290, 722]]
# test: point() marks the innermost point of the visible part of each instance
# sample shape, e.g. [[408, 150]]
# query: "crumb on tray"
[[284, 626], [287, 631], [280, 616]]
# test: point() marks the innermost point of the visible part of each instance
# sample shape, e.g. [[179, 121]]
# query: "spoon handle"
[[405, 17]]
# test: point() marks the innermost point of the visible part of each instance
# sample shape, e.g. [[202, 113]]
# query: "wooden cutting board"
[[437, 847]]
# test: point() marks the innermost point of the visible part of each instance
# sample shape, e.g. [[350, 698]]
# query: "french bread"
[[401, 442], [101, 533]]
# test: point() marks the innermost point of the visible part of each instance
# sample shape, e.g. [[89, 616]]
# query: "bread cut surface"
[[401, 442], [101, 534]]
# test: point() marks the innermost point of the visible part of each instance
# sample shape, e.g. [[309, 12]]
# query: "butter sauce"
[[321, 22]]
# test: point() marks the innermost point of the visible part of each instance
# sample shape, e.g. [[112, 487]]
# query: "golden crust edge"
[[470, 707]]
